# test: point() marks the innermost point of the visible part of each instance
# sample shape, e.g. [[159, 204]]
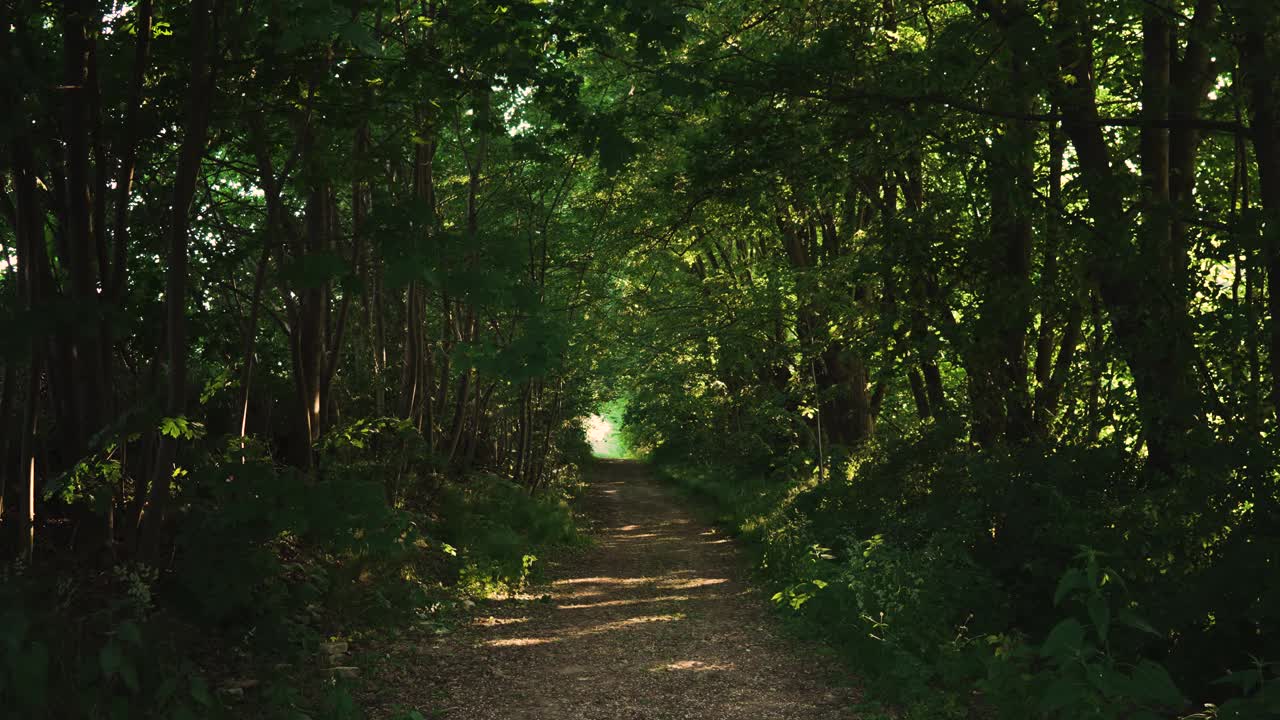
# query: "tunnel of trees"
[[967, 311]]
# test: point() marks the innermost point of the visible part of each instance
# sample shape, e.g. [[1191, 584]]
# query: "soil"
[[655, 620]]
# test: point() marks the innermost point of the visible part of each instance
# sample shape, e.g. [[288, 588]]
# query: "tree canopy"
[[975, 297]]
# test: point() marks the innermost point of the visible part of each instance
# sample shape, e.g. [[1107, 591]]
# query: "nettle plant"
[[1076, 672]]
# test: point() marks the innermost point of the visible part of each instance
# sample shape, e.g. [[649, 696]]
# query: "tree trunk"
[[997, 361], [1261, 53], [1147, 313], [82, 352], [1051, 374], [195, 126]]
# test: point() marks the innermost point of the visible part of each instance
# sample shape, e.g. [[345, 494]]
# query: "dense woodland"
[[965, 314]]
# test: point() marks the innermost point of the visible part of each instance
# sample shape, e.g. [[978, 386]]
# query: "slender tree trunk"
[[129, 154], [312, 314], [7, 390], [379, 340], [33, 284], [82, 353], [251, 335], [1051, 375], [523, 431], [1261, 53], [997, 362], [195, 125], [274, 229], [409, 375], [27, 458], [1148, 314]]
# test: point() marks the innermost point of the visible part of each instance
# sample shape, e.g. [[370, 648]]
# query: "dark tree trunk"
[[997, 360], [1260, 55], [195, 126], [1147, 312]]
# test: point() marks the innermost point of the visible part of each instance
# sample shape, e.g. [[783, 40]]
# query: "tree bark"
[[1147, 313], [997, 361], [195, 127], [1260, 55], [81, 350]]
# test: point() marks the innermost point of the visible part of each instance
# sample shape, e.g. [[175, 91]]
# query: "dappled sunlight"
[[492, 621], [691, 583], [601, 581], [650, 614], [582, 594], [693, 666], [629, 601], [519, 642], [588, 632]]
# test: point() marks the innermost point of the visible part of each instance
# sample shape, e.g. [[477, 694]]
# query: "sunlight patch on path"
[[588, 632], [694, 666], [652, 622]]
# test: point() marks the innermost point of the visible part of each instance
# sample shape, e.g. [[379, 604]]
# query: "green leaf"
[[1246, 680], [129, 674], [315, 270], [1060, 694], [1106, 679], [1071, 580], [615, 149], [1064, 640], [200, 692], [1128, 618], [31, 675], [1100, 616], [1152, 682], [361, 38], [128, 631], [166, 689], [110, 658], [173, 427]]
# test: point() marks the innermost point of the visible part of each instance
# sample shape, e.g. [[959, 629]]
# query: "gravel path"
[[654, 621]]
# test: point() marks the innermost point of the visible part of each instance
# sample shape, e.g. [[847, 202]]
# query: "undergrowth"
[[268, 564], [1029, 584]]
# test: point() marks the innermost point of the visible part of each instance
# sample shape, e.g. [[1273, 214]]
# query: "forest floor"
[[655, 619]]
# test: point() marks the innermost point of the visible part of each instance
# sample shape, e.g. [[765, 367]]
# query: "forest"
[[962, 317]]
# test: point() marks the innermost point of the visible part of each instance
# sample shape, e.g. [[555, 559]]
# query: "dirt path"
[[653, 621]]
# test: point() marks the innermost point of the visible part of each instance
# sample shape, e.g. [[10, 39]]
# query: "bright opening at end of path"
[[604, 431]]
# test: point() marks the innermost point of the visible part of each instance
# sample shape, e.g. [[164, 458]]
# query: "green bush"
[[494, 526], [264, 559], [65, 654], [930, 564]]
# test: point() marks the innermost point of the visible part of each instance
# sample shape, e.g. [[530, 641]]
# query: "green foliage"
[[116, 662], [1075, 672], [267, 555], [921, 297], [245, 517], [930, 566], [494, 526]]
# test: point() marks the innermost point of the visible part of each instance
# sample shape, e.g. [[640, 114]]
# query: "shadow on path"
[[653, 621]]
